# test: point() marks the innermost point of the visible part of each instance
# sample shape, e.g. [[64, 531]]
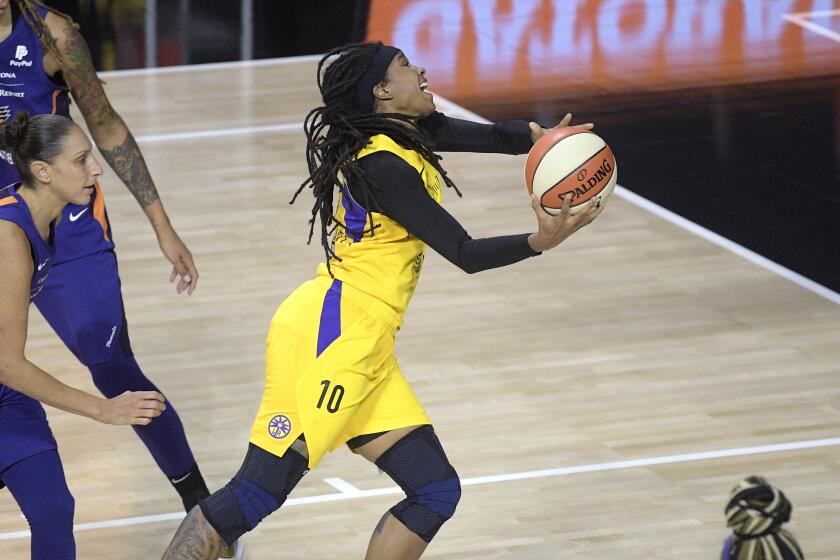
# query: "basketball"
[[572, 161]]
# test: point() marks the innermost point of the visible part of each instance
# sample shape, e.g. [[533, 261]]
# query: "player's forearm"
[[456, 135], [120, 150], [27, 378]]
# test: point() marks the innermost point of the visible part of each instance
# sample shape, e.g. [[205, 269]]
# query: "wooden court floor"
[[599, 401]]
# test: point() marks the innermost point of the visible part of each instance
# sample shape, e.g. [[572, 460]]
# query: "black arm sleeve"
[[401, 196], [456, 135]]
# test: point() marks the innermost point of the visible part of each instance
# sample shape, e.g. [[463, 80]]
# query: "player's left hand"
[[538, 132], [183, 267]]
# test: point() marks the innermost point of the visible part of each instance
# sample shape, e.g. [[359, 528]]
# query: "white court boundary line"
[[698, 230], [349, 492], [730, 246], [802, 19], [219, 132], [210, 66], [451, 108], [346, 490]]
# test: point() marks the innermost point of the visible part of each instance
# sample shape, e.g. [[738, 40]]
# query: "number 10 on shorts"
[[335, 396]]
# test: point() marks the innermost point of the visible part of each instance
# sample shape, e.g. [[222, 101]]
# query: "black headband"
[[374, 75]]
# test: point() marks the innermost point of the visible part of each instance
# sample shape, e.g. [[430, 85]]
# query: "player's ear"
[[382, 92], [41, 171]]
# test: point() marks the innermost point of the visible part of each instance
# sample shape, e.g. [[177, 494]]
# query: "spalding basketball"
[[572, 161]]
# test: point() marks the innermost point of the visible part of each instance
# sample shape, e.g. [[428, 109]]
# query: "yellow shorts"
[[331, 373]]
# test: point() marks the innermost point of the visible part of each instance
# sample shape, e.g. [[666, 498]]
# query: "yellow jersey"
[[384, 262]]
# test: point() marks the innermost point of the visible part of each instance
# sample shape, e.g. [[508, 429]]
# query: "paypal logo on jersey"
[[21, 52]]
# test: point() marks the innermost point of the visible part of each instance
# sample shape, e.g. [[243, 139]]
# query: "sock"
[[191, 487]]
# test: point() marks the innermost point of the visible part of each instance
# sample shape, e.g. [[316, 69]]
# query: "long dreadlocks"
[[339, 129]]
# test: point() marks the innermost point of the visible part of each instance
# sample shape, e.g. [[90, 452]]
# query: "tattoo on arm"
[[195, 540], [125, 159], [128, 163], [81, 77]]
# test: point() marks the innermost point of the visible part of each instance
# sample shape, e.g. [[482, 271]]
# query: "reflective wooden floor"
[[726, 112], [635, 340]]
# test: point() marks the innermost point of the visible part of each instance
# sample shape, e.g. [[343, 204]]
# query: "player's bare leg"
[[199, 539], [195, 539], [391, 540]]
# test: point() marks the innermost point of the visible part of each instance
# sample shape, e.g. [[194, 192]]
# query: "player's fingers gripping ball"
[[570, 160]]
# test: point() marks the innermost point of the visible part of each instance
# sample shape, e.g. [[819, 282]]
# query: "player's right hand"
[[133, 407], [553, 230]]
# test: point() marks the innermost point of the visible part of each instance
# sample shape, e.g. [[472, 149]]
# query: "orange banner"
[[473, 49]]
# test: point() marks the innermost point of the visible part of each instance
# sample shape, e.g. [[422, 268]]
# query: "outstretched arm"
[[457, 135], [25, 377], [510, 137], [115, 141], [399, 194]]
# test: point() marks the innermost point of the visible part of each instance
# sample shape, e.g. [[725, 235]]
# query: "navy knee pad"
[[258, 489], [419, 465]]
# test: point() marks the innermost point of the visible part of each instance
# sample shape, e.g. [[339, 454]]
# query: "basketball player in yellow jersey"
[[331, 376]]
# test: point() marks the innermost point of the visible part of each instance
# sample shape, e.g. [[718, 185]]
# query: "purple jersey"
[[14, 209], [25, 86]]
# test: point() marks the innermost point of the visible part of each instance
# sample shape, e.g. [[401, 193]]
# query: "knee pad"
[[258, 489], [419, 465]]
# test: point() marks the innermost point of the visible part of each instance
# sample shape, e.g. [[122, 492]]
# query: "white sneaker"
[[234, 552]]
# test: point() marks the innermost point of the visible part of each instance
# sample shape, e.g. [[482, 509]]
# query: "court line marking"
[[210, 66], [219, 132], [730, 246], [346, 490], [818, 13], [690, 226], [801, 19], [342, 486], [346, 494], [453, 109]]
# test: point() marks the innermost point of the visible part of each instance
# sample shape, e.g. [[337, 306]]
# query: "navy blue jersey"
[[14, 209], [25, 86], [24, 430]]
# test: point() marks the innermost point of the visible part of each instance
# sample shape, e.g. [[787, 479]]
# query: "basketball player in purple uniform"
[[81, 298], [57, 166]]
